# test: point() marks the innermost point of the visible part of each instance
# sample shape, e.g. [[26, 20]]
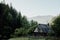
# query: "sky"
[[31, 8]]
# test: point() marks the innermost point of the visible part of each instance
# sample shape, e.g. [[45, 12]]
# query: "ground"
[[27, 38], [35, 38]]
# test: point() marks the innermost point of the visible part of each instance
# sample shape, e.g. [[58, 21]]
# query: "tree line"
[[13, 23]]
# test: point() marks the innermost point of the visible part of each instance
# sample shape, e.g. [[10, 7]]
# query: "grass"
[[34, 38], [27, 38]]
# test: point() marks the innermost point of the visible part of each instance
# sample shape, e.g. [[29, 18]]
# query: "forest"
[[12, 23]]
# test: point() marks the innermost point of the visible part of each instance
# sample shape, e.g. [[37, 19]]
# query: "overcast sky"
[[32, 8]]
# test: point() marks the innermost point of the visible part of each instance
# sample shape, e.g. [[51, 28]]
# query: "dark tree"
[[56, 26], [8, 21]]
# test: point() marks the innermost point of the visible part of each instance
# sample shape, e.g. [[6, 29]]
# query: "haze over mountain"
[[42, 19]]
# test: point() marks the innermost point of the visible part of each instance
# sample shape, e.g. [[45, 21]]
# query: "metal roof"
[[42, 28]]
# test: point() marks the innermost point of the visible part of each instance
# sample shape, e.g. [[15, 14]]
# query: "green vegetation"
[[26, 38], [12, 24], [56, 26]]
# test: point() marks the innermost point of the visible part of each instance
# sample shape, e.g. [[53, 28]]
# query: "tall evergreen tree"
[[8, 21], [19, 20]]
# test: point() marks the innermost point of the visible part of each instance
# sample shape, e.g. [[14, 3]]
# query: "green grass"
[[35, 38], [26, 38]]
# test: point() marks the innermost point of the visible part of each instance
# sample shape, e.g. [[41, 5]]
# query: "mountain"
[[41, 19]]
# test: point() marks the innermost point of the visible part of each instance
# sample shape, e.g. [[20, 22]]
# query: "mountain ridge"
[[41, 19]]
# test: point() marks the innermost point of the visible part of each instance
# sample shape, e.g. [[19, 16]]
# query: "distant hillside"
[[41, 19]]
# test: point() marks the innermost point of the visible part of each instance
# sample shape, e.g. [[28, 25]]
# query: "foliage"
[[8, 21], [56, 26], [28, 27], [12, 23], [33, 25]]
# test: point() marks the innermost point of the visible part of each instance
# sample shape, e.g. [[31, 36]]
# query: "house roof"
[[42, 28]]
